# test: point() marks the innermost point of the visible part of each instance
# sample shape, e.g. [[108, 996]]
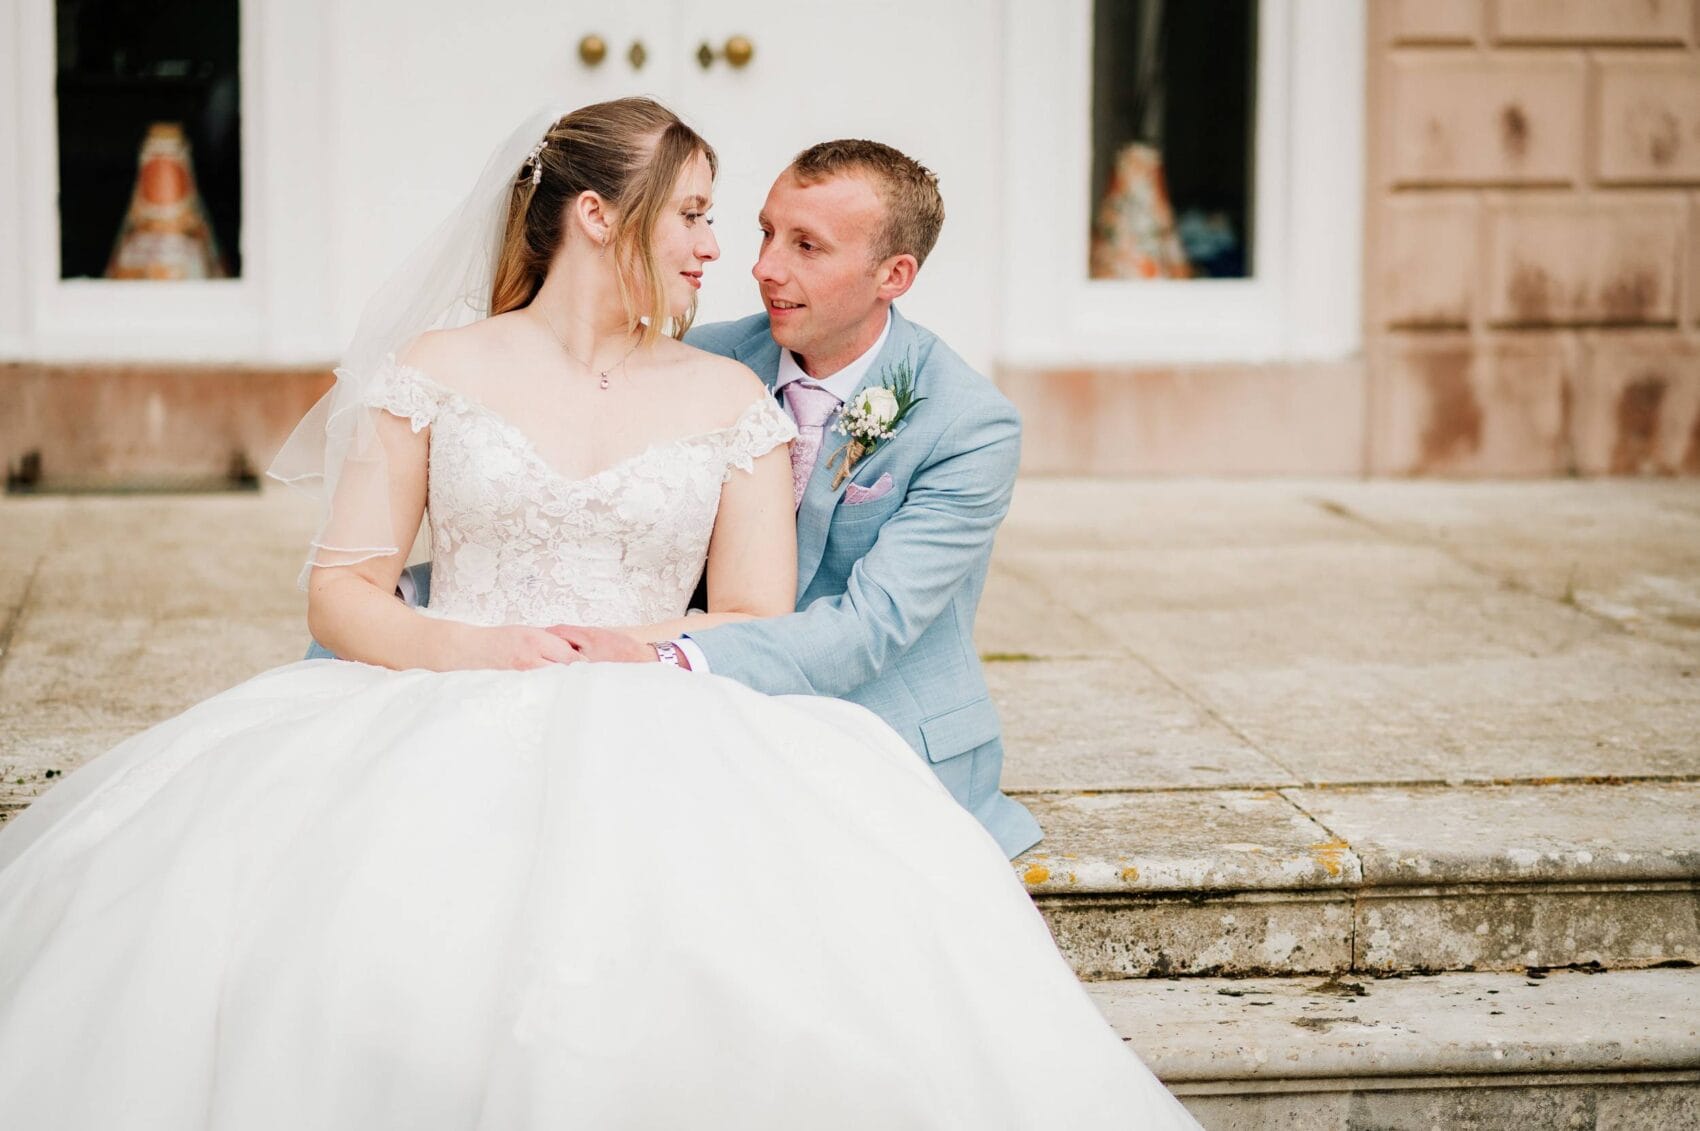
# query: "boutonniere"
[[872, 417]]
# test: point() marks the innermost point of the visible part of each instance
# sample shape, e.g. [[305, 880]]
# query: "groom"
[[891, 560]]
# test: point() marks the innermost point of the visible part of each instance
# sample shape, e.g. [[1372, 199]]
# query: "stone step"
[[1458, 1050], [1369, 880]]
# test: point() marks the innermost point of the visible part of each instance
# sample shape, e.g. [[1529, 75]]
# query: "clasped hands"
[[522, 647]]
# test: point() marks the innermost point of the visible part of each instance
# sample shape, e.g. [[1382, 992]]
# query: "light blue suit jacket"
[[887, 590]]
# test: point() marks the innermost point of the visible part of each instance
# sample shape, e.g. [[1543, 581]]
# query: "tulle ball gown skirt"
[[341, 897]]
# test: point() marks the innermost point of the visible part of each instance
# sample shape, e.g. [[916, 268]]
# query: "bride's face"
[[683, 241]]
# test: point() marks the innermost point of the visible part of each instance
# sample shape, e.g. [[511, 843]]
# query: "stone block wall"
[[1533, 246], [125, 424]]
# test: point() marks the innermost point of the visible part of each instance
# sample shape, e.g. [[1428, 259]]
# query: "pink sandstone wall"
[[1533, 214], [1532, 272]]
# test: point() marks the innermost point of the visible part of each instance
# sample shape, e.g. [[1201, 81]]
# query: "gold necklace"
[[602, 373]]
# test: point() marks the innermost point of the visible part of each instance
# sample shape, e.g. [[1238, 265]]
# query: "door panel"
[[424, 90], [921, 77]]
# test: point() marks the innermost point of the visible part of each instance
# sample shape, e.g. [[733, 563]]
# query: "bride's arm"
[[352, 609], [752, 557]]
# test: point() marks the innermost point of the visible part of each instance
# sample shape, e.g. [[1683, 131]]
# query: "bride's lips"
[[694, 278]]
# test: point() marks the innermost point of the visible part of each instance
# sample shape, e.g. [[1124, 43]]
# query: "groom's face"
[[817, 273]]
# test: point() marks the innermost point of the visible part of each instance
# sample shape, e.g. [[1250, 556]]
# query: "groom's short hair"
[[914, 210]]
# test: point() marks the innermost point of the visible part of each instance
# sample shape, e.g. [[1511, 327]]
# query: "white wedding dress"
[[591, 896]]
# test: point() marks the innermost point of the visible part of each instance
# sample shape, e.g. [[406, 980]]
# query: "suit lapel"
[[820, 498], [761, 354]]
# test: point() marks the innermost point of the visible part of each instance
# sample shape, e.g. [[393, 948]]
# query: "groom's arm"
[[925, 551]]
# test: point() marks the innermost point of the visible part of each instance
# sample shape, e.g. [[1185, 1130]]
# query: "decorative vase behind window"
[[1134, 233], [166, 233]]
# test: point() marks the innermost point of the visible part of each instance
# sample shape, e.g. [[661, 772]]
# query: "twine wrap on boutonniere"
[[872, 416]]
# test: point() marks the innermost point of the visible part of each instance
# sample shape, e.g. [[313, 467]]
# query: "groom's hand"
[[603, 644]]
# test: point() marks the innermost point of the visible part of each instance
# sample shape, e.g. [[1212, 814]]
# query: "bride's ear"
[[592, 216]]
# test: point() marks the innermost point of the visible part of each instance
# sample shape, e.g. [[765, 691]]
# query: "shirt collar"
[[840, 384]]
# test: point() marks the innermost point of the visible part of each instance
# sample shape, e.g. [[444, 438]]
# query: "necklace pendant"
[[603, 384]]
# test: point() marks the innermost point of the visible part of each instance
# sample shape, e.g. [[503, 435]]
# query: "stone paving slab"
[[1379, 611], [1115, 725], [202, 556], [78, 672], [1199, 1030], [1608, 707], [1193, 841], [1641, 831], [1561, 540], [1170, 514], [1021, 619], [26, 534]]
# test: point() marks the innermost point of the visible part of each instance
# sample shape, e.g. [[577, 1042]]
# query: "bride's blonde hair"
[[629, 152]]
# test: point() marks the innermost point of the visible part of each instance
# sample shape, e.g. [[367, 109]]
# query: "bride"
[[473, 882]]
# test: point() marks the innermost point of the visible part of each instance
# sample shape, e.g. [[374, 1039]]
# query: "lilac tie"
[[811, 407]]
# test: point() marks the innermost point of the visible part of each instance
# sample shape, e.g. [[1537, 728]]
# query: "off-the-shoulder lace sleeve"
[[407, 393], [758, 430]]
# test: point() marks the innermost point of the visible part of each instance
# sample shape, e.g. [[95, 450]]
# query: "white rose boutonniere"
[[872, 416]]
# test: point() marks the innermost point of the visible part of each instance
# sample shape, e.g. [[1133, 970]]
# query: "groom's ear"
[[896, 275]]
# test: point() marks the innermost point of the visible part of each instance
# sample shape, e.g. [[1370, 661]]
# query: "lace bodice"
[[515, 542]]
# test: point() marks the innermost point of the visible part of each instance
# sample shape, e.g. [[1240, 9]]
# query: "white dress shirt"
[[840, 385]]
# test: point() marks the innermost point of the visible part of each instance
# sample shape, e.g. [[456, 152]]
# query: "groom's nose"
[[768, 269]]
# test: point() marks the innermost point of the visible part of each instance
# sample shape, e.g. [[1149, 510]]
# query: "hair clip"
[[534, 159]]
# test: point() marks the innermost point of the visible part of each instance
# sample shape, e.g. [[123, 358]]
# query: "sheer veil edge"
[[335, 454]]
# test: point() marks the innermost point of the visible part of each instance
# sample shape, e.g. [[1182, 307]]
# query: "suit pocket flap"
[[959, 731]]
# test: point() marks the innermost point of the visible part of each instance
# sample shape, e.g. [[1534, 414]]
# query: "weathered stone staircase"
[[1472, 956], [1369, 806]]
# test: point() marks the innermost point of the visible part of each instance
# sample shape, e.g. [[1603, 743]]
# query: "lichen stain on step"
[[1331, 854]]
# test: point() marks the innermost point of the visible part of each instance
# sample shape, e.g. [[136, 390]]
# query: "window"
[[149, 130], [1258, 124], [1173, 114]]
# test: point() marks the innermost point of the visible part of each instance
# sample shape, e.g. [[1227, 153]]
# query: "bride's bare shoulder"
[[724, 387], [458, 358]]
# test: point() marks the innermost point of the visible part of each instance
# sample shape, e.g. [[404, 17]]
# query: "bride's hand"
[[604, 644], [512, 648]]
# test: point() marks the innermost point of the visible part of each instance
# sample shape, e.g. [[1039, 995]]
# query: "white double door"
[[432, 83]]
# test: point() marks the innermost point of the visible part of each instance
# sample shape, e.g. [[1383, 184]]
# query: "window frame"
[[1303, 298], [257, 317]]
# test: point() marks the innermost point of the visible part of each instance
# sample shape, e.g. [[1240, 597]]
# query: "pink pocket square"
[[855, 495]]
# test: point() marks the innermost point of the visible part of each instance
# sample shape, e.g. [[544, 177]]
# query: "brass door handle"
[[592, 49], [738, 52]]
